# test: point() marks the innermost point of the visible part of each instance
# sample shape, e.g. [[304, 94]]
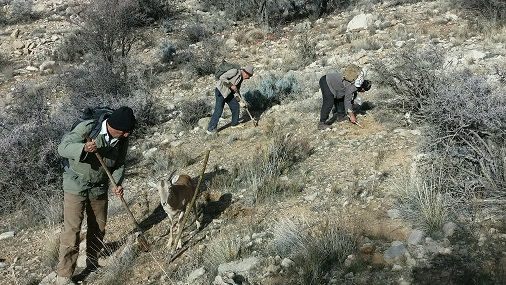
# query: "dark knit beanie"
[[122, 119]]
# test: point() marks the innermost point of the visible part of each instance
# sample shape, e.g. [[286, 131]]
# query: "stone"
[[15, 34], [31, 68], [195, 274], [393, 213], [18, 45], [7, 235], [360, 22], [243, 266], [415, 237], [49, 279], [48, 64], [395, 252], [287, 263], [3, 265], [204, 122], [449, 229]]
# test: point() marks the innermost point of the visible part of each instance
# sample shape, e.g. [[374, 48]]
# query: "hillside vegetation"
[[414, 194]]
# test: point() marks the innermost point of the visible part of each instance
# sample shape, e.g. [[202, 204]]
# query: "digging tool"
[[141, 239], [192, 202], [255, 122]]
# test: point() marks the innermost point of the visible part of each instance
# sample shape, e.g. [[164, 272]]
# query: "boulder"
[[360, 22]]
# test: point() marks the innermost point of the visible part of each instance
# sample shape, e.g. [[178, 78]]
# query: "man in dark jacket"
[[339, 91], [85, 185], [227, 91]]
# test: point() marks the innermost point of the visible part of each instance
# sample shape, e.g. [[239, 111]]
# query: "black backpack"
[[223, 67], [98, 114]]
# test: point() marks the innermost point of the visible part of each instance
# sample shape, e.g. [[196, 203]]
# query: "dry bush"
[[414, 77], [192, 111], [306, 50], [120, 265], [31, 169], [263, 172], [490, 10], [204, 61], [108, 29], [167, 52], [21, 11], [274, 13], [195, 32], [222, 249], [315, 249], [467, 119]]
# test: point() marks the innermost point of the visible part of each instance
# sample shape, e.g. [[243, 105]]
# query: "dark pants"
[[330, 102], [73, 215], [218, 110]]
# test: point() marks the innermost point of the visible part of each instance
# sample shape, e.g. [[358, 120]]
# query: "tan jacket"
[[227, 79]]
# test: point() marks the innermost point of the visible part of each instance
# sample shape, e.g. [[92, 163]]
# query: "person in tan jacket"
[[227, 91]]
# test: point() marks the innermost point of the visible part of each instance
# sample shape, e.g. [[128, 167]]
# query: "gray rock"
[[195, 274], [449, 229], [49, 279], [32, 68], [286, 263], [48, 64], [203, 123], [18, 45], [360, 22], [393, 213], [395, 252], [7, 235], [242, 266], [15, 34], [415, 237], [3, 265]]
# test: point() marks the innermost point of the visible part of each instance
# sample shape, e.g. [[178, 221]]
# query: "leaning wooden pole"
[[192, 202]]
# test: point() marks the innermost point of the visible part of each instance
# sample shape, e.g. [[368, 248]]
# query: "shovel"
[[141, 239], [255, 122]]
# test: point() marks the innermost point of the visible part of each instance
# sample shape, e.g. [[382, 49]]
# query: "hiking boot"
[[322, 126], [236, 126], [211, 132], [64, 281]]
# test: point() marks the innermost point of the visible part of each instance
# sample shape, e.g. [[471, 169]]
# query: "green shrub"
[[167, 52], [273, 90]]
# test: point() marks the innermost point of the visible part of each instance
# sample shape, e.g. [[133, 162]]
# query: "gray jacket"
[[227, 79], [341, 88]]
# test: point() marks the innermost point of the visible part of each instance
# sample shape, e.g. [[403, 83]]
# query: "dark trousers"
[[218, 109], [330, 102], [73, 215]]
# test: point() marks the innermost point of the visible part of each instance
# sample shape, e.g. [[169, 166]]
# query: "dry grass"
[[51, 248], [424, 202], [315, 248], [222, 249]]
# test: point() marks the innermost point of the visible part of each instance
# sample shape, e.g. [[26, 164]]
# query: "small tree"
[[108, 29]]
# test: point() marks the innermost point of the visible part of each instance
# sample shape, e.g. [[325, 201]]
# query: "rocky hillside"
[[281, 202]]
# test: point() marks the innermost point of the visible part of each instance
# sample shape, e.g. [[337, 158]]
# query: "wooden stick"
[[142, 240], [190, 206]]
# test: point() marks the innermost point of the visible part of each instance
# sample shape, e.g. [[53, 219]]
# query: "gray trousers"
[[73, 215]]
